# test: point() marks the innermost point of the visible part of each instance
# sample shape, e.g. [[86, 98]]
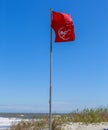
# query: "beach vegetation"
[[85, 116]]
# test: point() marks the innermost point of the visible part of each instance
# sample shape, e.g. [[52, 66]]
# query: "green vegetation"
[[88, 116], [85, 116]]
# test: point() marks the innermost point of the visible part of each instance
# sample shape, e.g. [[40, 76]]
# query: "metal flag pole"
[[50, 91]]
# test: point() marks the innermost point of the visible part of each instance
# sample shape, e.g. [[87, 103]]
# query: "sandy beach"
[[80, 126]]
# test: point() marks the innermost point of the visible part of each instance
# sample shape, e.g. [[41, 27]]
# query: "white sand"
[[80, 126]]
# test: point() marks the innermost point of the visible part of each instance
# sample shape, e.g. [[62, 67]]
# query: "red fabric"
[[63, 26]]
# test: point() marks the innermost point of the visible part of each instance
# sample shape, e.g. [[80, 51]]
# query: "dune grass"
[[86, 116], [36, 125], [30, 125]]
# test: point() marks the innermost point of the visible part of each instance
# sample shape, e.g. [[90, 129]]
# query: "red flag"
[[63, 26]]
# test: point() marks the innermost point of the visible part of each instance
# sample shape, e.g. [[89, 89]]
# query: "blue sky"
[[80, 68]]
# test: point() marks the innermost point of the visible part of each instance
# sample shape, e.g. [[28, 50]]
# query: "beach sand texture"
[[80, 126]]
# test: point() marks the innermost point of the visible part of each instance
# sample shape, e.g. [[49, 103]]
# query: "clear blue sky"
[[80, 68]]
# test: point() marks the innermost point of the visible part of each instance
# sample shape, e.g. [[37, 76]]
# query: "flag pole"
[[50, 91]]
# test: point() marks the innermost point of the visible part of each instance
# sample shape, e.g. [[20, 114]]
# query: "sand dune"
[[80, 126]]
